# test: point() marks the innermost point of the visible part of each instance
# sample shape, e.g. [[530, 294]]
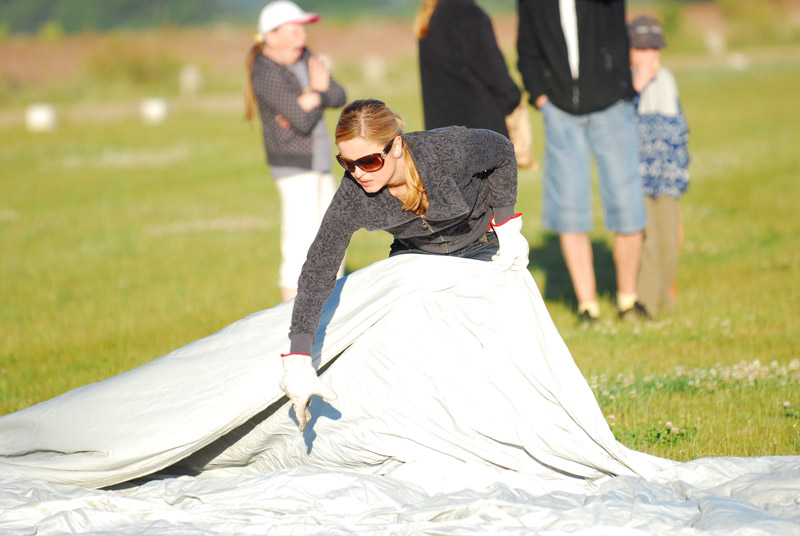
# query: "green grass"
[[122, 241]]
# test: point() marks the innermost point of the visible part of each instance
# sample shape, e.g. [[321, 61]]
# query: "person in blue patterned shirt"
[[663, 133]]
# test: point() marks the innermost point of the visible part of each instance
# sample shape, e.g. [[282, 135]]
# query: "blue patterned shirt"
[[663, 134]]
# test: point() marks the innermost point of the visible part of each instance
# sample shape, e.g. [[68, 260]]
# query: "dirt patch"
[[220, 50]]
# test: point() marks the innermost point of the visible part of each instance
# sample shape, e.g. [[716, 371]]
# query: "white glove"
[[299, 382], [514, 249]]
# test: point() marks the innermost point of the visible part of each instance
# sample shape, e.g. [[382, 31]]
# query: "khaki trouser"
[[660, 254]]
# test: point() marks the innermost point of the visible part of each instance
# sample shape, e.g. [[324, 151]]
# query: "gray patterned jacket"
[[276, 90], [470, 175]]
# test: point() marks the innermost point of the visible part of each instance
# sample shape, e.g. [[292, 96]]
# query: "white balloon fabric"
[[459, 411]]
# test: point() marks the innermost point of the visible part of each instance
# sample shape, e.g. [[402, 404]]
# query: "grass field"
[[122, 241]]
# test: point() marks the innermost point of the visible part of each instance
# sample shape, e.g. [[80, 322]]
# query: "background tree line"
[[75, 16]]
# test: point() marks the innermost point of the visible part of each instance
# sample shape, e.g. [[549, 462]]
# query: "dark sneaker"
[[587, 319], [638, 311]]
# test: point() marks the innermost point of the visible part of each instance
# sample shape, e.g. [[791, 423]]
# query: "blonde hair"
[[250, 103], [371, 119], [423, 18]]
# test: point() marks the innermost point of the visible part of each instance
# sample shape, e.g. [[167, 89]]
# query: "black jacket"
[[605, 72], [464, 76], [469, 174]]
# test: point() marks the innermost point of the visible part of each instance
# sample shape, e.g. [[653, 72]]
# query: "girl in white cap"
[[290, 87]]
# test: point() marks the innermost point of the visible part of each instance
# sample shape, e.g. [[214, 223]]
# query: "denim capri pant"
[[610, 135]]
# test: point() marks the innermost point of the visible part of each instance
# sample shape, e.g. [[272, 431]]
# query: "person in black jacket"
[[574, 61], [464, 76]]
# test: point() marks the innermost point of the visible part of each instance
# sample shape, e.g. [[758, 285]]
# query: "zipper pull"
[[576, 94]]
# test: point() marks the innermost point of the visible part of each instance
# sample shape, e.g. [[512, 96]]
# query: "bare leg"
[[627, 255], [577, 251]]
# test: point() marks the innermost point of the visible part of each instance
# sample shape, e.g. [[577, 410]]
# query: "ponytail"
[[416, 195], [250, 103], [423, 18]]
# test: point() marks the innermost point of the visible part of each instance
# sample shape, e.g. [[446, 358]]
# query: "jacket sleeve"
[[529, 62], [335, 96], [488, 62], [277, 89], [318, 276], [487, 150]]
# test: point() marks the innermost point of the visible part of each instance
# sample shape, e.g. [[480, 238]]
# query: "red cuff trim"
[[517, 215], [287, 355]]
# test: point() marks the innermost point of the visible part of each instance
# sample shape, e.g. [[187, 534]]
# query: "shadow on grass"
[[557, 284]]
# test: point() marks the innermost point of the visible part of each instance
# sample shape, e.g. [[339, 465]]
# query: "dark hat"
[[646, 32]]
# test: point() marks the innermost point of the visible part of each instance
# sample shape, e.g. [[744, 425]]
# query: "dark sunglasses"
[[371, 162]]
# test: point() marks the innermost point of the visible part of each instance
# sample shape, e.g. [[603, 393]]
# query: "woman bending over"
[[449, 191]]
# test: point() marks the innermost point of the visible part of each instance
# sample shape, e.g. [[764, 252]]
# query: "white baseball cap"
[[280, 12]]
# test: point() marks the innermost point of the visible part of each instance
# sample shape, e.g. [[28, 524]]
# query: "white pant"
[[304, 200]]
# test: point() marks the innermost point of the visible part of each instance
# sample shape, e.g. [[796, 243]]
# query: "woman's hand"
[[514, 248], [299, 382], [309, 100], [319, 75]]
